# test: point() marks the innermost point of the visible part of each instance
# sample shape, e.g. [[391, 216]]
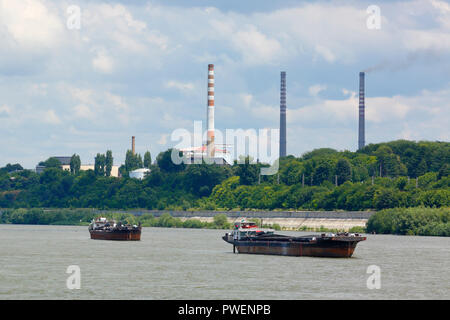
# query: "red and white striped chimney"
[[210, 147]]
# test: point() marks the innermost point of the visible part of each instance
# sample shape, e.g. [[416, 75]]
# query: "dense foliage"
[[411, 221], [41, 216], [387, 175]]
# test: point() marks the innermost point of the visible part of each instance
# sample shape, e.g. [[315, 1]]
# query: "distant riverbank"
[[279, 220], [411, 221]]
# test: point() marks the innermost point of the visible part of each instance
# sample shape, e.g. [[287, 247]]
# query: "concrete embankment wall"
[[297, 223], [292, 220]]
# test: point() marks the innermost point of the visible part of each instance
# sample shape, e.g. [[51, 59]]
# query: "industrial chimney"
[[133, 145], [283, 114], [210, 146], [361, 135]]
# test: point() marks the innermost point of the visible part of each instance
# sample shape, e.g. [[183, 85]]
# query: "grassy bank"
[[411, 221]]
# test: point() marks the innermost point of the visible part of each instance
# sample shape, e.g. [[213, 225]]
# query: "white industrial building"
[[139, 173]]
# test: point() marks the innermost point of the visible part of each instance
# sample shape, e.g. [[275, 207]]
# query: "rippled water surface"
[[198, 264]]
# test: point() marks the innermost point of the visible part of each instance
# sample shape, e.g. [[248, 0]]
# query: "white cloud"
[[181, 86], [255, 46], [85, 96], [325, 53], [31, 23], [316, 89], [444, 7], [163, 139], [39, 89], [323, 112], [158, 39], [84, 112], [117, 102], [51, 117], [5, 111], [102, 62], [106, 108], [407, 133], [427, 106], [117, 68], [247, 99], [382, 109], [117, 16]]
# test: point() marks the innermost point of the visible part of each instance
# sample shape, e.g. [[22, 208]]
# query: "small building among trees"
[[73, 164]]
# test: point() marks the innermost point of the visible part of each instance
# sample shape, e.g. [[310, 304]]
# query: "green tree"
[[11, 168], [109, 161], [99, 166], [200, 179], [51, 163], [165, 163], [389, 162], [147, 159], [343, 171], [221, 221], [401, 183], [319, 153], [75, 164], [132, 161], [444, 171], [387, 198], [247, 172], [323, 172]]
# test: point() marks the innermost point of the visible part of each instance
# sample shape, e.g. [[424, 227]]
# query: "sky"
[[139, 68]]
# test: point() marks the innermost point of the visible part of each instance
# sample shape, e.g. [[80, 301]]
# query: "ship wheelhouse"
[[246, 229]]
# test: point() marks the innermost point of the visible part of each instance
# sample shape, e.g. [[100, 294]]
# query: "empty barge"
[[246, 237]]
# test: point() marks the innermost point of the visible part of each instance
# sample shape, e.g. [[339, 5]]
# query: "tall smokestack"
[[361, 135], [133, 145], [210, 147], [283, 114]]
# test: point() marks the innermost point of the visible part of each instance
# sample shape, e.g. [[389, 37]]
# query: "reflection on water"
[[198, 264]]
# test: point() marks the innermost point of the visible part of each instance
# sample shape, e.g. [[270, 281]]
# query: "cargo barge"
[[246, 237], [103, 229]]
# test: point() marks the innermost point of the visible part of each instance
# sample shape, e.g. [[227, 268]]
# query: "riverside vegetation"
[[82, 217], [410, 221], [393, 175]]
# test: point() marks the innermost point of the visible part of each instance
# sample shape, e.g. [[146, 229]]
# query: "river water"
[[198, 264]]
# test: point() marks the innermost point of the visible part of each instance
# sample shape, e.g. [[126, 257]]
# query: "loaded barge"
[[246, 237], [103, 229]]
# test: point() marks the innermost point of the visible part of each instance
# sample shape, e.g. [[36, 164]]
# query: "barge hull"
[[336, 247], [341, 250], [125, 235]]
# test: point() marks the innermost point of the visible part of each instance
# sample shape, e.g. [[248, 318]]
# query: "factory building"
[[197, 155], [65, 165], [84, 167], [65, 161], [139, 173]]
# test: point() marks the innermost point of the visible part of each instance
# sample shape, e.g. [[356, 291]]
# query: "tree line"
[[83, 217], [411, 221], [385, 175]]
